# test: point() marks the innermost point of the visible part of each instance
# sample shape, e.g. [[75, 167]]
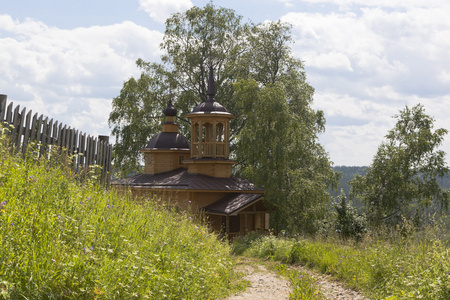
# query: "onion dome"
[[168, 140], [170, 111], [210, 105]]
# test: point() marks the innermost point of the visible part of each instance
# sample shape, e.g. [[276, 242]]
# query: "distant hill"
[[348, 173]]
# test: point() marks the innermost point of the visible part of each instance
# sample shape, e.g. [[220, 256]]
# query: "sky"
[[365, 59]]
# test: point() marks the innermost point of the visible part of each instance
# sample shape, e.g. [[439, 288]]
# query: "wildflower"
[[107, 206], [97, 291], [92, 248]]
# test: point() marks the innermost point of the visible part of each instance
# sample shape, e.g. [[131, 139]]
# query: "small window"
[[149, 159], [180, 160]]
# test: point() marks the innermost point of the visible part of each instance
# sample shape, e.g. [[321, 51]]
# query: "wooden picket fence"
[[44, 133]]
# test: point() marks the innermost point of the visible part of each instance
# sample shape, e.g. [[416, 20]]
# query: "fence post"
[[2, 107], [103, 142]]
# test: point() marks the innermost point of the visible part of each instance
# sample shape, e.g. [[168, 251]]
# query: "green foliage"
[[348, 222], [383, 267], [288, 161], [61, 239], [275, 134], [402, 179]]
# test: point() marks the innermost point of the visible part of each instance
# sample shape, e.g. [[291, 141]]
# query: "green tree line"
[[274, 137]]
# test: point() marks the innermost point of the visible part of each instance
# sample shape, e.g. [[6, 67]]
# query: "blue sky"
[[68, 59]]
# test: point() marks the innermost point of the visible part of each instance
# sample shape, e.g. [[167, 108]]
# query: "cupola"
[[166, 150], [210, 136]]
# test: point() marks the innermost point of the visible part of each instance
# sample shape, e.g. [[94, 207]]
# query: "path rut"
[[266, 284]]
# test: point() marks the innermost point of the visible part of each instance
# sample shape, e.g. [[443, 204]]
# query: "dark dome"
[[170, 111], [210, 106], [168, 140]]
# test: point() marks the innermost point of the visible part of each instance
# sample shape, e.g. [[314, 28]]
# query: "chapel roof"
[[168, 141], [232, 203], [180, 179]]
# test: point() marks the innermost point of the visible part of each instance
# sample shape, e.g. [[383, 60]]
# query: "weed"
[[63, 238], [380, 266]]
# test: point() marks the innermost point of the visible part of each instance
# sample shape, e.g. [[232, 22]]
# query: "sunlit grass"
[[392, 267], [65, 239], [303, 285]]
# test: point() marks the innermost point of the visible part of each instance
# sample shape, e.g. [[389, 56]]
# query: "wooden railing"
[[44, 133]]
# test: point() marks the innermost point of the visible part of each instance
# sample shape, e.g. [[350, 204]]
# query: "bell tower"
[[210, 136]]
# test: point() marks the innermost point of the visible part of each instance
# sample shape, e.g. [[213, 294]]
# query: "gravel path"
[[331, 288], [265, 284]]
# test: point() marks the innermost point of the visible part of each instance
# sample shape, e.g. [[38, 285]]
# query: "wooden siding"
[[159, 161]]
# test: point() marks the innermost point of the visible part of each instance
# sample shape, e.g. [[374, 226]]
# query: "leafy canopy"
[[402, 179], [274, 135]]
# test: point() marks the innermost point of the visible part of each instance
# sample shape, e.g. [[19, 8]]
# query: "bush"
[[348, 222]]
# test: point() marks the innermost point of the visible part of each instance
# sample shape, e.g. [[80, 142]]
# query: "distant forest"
[[349, 172]]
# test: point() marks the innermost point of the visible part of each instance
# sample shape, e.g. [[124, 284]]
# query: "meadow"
[[383, 266], [65, 236], [62, 237]]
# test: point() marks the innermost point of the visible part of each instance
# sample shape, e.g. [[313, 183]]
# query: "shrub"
[[348, 222]]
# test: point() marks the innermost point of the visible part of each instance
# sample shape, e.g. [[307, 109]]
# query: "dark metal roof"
[[232, 203], [210, 105], [168, 140], [180, 179], [170, 110]]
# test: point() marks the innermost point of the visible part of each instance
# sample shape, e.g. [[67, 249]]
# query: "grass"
[[61, 238], [303, 285], [417, 267]]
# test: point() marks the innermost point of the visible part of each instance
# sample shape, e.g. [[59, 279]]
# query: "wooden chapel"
[[197, 174]]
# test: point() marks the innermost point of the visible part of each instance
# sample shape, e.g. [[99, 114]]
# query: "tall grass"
[[417, 267], [65, 239]]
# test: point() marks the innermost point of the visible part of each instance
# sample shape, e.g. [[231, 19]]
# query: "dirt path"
[[266, 284], [331, 288]]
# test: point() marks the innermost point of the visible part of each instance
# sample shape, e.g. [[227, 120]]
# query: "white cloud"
[[331, 60], [72, 74], [160, 10], [377, 3], [287, 3], [366, 63]]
